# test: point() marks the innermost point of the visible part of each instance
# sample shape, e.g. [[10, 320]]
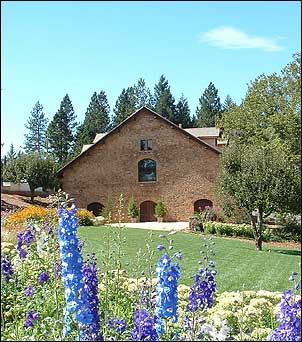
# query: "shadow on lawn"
[[287, 251]]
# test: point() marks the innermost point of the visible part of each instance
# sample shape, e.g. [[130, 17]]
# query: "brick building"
[[150, 158]]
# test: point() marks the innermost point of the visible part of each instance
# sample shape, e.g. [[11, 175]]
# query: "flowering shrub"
[[85, 217], [26, 214], [34, 213], [228, 229], [50, 292]]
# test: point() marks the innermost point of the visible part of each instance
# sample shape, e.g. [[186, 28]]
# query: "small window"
[[146, 145]]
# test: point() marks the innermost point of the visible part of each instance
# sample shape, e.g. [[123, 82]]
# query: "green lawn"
[[237, 262]]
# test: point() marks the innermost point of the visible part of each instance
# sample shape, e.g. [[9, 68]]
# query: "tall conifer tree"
[[164, 100], [60, 131], [124, 106], [143, 96], [97, 120], [182, 113], [209, 110], [35, 140]]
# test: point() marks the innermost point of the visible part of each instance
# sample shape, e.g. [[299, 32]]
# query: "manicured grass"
[[238, 263]]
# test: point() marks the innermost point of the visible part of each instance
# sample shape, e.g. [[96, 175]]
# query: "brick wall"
[[186, 170]]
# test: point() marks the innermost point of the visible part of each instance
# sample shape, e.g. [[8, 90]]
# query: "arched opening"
[[96, 208], [147, 211], [147, 170], [200, 205]]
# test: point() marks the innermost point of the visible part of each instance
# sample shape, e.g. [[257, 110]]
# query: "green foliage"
[[60, 132], [228, 104], [164, 100], [35, 140], [160, 209], [133, 210], [260, 168], [209, 110], [182, 114], [143, 96], [228, 229], [97, 120], [125, 106], [38, 170]]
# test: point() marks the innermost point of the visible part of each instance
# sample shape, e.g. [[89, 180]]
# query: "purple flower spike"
[[6, 267], [29, 291], [30, 318], [160, 247], [43, 277]]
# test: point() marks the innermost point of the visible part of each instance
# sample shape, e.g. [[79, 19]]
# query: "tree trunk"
[[257, 228], [32, 194]]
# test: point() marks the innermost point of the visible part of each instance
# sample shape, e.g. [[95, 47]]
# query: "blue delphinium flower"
[[289, 318], [119, 325], [166, 289], [31, 316], [201, 294], [76, 295], [6, 267], [89, 272], [43, 277], [26, 237], [29, 291], [144, 327]]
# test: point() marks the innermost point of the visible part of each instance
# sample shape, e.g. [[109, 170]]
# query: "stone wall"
[[186, 170]]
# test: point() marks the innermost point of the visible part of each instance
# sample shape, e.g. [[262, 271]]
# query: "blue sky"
[[50, 48]]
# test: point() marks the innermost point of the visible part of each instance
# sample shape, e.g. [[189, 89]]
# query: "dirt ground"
[[14, 202]]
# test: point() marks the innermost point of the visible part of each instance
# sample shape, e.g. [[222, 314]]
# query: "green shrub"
[[85, 217], [160, 209], [133, 210], [228, 229]]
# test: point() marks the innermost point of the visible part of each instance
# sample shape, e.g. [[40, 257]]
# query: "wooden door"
[[147, 211]]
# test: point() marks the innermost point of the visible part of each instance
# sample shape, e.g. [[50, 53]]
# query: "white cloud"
[[227, 37]]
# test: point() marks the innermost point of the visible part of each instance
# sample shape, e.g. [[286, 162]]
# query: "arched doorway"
[[147, 211], [200, 205], [96, 208]]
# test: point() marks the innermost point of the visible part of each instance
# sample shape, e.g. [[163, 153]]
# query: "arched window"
[[201, 204], [96, 208], [147, 170]]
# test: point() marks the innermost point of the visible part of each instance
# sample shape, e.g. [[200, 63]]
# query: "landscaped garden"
[[61, 282]]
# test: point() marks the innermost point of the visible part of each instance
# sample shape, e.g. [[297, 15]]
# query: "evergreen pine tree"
[[193, 122], [143, 96], [182, 113], [228, 103], [60, 131], [124, 106], [35, 140], [209, 110], [97, 120], [164, 100]]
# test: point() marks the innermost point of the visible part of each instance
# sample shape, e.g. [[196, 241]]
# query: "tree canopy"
[[260, 169], [97, 120], [61, 131], [35, 140], [209, 109]]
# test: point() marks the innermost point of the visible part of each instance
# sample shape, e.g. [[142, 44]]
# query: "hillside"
[[14, 202]]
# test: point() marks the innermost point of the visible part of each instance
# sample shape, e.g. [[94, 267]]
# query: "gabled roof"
[[204, 132], [101, 139]]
